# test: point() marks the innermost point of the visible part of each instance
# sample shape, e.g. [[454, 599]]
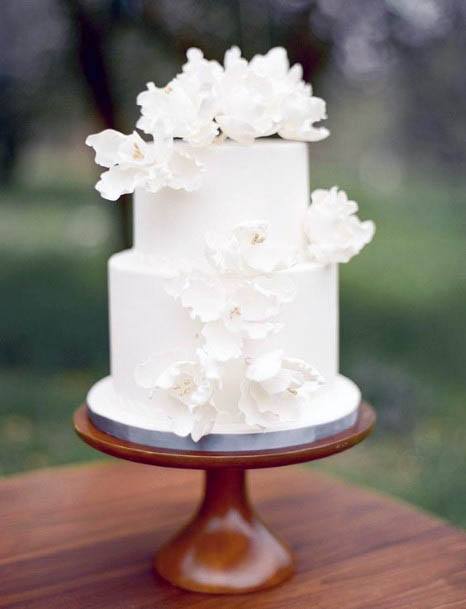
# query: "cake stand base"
[[225, 548]]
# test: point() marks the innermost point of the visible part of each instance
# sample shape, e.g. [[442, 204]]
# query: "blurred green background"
[[392, 72]]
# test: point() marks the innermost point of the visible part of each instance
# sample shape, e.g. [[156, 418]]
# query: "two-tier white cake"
[[224, 315]]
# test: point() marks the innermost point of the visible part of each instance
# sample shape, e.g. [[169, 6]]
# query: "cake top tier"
[[203, 166], [207, 103]]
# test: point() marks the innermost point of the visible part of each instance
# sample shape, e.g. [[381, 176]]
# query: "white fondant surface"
[[265, 181], [335, 401]]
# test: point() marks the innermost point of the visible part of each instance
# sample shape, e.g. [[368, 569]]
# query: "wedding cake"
[[224, 314]]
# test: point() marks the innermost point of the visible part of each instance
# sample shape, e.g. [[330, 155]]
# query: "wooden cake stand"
[[225, 548]]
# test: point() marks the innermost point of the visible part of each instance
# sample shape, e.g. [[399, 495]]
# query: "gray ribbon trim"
[[222, 442]]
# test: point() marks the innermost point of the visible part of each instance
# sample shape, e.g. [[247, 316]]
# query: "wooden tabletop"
[[83, 538]]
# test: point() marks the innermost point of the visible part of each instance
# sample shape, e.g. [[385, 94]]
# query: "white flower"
[[247, 250], [277, 286], [181, 109], [266, 96], [212, 368], [277, 389], [299, 113], [186, 107], [186, 382], [220, 344], [132, 162], [207, 72], [333, 231], [241, 299], [184, 171], [292, 105], [249, 313], [232, 308], [191, 384], [275, 66], [204, 295], [244, 101], [253, 306]]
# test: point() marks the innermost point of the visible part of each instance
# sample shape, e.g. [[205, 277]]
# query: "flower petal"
[[147, 373], [265, 366], [119, 180], [238, 130], [204, 296], [204, 420], [333, 231], [278, 286], [106, 144], [221, 344], [185, 172]]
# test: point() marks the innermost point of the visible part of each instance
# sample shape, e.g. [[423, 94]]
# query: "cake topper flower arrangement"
[[240, 100]]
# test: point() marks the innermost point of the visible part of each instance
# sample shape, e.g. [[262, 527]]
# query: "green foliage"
[[402, 318]]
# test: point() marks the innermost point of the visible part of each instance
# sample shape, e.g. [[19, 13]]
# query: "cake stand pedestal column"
[[225, 548]]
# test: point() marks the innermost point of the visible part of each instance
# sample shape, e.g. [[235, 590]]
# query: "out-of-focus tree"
[[31, 36], [86, 59], [419, 46]]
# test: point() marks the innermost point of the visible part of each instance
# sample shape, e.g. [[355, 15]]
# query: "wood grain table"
[[83, 537]]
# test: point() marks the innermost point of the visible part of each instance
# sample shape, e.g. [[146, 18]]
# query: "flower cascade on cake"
[[240, 100], [237, 302]]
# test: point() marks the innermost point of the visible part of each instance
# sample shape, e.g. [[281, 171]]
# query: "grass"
[[402, 332]]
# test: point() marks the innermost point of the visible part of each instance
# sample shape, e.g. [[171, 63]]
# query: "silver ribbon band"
[[223, 442]]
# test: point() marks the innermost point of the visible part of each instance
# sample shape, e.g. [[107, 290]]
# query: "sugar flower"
[[265, 96], [232, 309], [221, 345], [332, 229], [191, 385], [245, 100], [293, 106], [247, 250], [248, 314], [277, 389], [132, 162], [299, 113], [241, 297], [204, 295], [186, 106]]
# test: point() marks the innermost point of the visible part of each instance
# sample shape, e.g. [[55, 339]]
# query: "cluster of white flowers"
[[241, 100], [237, 302], [242, 296], [133, 162]]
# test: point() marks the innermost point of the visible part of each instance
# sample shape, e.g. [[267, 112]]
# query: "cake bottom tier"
[[333, 409], [147, 324]]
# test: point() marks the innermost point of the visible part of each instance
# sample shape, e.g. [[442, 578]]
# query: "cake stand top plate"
[[240, 459]]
